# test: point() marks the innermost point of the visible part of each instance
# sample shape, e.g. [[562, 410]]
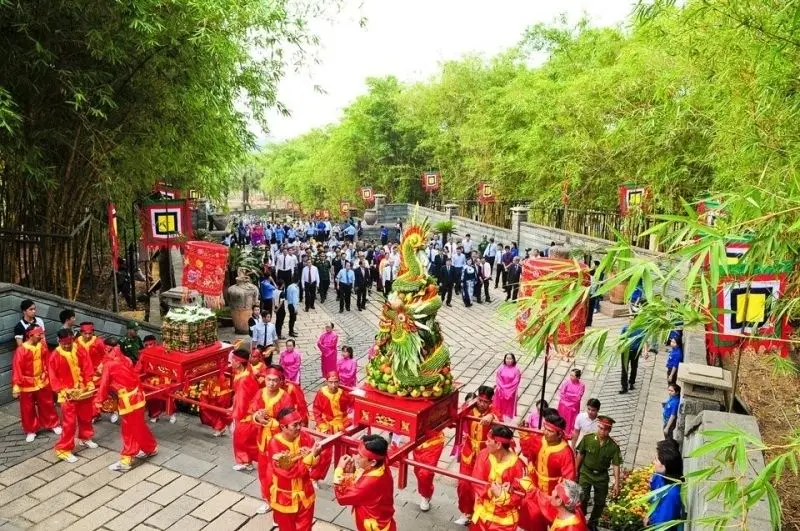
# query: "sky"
[[410, 39]]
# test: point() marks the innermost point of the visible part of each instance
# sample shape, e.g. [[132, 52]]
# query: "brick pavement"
[[190, 483]]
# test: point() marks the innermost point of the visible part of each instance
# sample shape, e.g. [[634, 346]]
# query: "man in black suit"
[[446, 281], [362, 280], [338, 265], [514, 273]]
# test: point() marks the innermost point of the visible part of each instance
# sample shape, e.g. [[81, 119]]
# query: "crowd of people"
[[544, 473]]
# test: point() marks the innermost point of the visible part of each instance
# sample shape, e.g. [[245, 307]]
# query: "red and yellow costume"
[[157, 403], [245, 388], [95, 347], [371, 494], [330, 416], [429, 453], [30, 381], [547, 465], [572, 522], [71, 372], [272, 404], [120, 377], [496, 513], [217, 392], [473, 440], [298, 399], [291, 493]]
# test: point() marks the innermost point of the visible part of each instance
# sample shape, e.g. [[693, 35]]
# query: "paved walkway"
[[190, 484]]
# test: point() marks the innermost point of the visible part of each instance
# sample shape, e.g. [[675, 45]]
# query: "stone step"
[[614, 310]]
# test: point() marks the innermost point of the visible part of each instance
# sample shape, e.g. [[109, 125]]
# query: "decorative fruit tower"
[[411, 359]]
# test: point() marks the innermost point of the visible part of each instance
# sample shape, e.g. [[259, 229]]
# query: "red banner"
[[344, 208], [113, 235], [318, 213], [326, 214], [367, 194], [485, 193], [166, 223], [431, 181], [631, 197], [204, 266]]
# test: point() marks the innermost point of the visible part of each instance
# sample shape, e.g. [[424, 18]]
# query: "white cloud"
[[409, 39]]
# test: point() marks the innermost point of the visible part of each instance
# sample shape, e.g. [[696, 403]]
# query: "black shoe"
[[623, 392], [488, 301], [292, 334], [449, 304], [631, 387], [341, 311]]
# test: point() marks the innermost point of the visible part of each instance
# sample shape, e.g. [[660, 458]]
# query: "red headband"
[[332, 374], [291, 418], [503, 440], [87, 327], [552, 427], [272, 371], [36, 329], [484, 395], [364, 451]]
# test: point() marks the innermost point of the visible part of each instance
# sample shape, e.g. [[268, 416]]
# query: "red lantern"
[[204, 267], [555, 268]]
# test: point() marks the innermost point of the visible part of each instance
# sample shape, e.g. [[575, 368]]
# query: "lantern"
[[204, 267], [555, 268]]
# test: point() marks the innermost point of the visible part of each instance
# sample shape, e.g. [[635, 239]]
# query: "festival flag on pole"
[[167, 191], [166, 223], [633, 197], [431, 181], [326, 214], [113, 235], [485, 193], [367, 194], [344, 208]]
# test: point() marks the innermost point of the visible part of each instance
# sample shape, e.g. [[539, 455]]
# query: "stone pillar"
[[380, 202], [518, 215], [451, 209]]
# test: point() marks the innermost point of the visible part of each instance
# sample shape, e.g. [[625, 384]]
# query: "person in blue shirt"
[[670, 409], [674, 358], [630, 356], [384, 235], [665, 487], [344, 282], [279, 234], [291, 235], [293, 303], [266, 291]]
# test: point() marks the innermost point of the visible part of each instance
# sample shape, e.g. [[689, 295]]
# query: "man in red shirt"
[[70, 370], [31, 385], [243, 429], [330, 408], [120, 377]]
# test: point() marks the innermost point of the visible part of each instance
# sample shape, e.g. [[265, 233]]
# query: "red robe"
[[429, 453], [29, 378], [272, 404], [120, 377], [573, 522], [496, 513], [72, 370], [245, 388], [217, 392], [330, 416], [299, 400], [96, 350], [473, 440], [291, 493], [371, 495], [547, 465]]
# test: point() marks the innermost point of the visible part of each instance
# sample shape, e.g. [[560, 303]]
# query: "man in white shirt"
[[459, 261], [490, 253], [586, 421], [309, 279], [450, 248], [486, 278], [285, 265], [467, 243], [263, 332]]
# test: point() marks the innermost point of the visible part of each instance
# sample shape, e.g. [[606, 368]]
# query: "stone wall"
[[696, 504], [47, 308]]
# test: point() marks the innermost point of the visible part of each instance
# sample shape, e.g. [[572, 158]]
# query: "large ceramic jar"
[[370, 216], [242, 296]]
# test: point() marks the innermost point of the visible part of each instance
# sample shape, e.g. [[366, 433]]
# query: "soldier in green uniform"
[[482, 246], [324, 268], [596, 453], [131, 343]]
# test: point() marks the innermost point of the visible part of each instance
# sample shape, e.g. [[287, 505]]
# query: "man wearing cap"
[[243, 429], [365, 482], [550, 459], [292, 454], [119, 376], [323, 266], [264, 408], [70, 370], [131, 343], [474, 434], [31, 385], [596, 453], [330, 407], [497, 503], [29, 319]]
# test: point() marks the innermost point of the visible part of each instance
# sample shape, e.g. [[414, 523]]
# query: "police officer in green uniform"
[[596, 453], [131, 343], [324, 268]]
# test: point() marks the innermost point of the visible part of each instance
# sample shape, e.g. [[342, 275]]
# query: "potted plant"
[[446, 229]]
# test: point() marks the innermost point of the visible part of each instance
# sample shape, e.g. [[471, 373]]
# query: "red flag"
[[367, 194], [431, 181], [113, 235], [485, 193]]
